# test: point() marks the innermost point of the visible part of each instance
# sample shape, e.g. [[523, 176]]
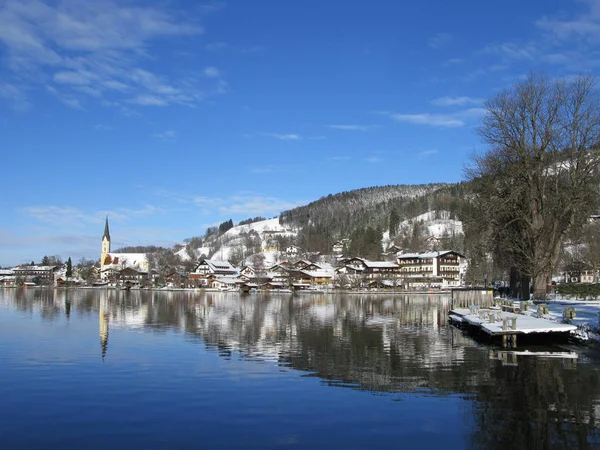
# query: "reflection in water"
[[103, 318], [394, 344]]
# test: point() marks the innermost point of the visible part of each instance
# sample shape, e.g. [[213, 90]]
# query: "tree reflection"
[[389, 344]]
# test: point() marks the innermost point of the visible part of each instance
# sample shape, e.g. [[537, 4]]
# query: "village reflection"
[[394, 344]]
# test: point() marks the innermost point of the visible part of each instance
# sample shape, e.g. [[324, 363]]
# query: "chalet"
[[431, 269], [393, 249], [311, 278], [579, 272], [224, 283], [278, 273], [273, 285], [270, 245], [340, 246], [42, 274], [370, 269], [7, 277], [212, 266], [300, 264], [129, 274], [247, 270], [433, 242], [293, 250]]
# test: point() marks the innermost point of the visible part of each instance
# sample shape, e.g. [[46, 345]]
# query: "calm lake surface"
[[113, 369]]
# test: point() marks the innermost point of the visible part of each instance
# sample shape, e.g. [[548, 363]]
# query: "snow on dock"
[[495, 322]]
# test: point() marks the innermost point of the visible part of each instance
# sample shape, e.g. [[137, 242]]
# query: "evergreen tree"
[[69, 268]]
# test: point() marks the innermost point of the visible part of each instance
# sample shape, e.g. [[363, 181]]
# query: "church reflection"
[[398, 345], [103, 317]]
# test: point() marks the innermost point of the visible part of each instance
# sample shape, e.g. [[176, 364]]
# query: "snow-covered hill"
[[438, 223]]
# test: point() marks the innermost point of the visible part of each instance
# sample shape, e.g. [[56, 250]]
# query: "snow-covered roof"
[[121, 260], [380, 264], [317, 273], [34, 267], [425, 254], [218, 266]]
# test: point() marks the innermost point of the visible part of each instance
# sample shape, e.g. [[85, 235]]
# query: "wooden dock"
[[494, 322]]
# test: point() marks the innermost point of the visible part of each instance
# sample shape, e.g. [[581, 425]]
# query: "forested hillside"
[[369, 214]]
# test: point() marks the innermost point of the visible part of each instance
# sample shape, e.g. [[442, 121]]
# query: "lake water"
[[113, 369]]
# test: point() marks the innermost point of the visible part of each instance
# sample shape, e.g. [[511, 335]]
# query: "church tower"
[[105, 245]]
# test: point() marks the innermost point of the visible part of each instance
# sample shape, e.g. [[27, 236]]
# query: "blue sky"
[[173, 116]]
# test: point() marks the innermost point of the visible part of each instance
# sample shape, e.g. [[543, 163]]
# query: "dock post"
[[513, 339], [505, 340]]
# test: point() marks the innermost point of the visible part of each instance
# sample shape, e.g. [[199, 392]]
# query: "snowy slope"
[[436, 227]]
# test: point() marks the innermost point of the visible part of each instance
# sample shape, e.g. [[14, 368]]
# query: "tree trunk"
[[540, 285], [524, 287]]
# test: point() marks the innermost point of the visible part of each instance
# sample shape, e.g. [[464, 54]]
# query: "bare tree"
[[538, 177]]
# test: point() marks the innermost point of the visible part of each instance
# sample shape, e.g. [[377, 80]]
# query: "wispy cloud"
[[374, 159], [15, 96], [247, 203], [513, 51], [440, 40], [339, 158], [165, 135], [351, 127], [284, 137], [216, 47], [73, 217], [585, 25], [91, 50], [426, 153], [212, 72], [456, 101], [434, 120], [452, 120]]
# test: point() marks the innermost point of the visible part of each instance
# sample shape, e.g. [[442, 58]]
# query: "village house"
[[340, 246], [319, 278], [7, 277], [430, 269], [36, 274], [369, 269], [216, 267], [293, 250]]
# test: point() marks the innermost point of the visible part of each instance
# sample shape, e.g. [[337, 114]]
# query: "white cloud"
[[212, 72], [247, 203], [585, 25], [67, 216], [426, 153], [434, 120], [440, 40], [255, 205], [216, 47], [453, 120], [513, 51], [101, 44], [165, 135], [455, 101], [14, 96], [374, 159], [351, 127], [284, 137]]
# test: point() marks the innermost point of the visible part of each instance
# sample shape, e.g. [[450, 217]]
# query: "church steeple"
[[106, 232], [105, 246]]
